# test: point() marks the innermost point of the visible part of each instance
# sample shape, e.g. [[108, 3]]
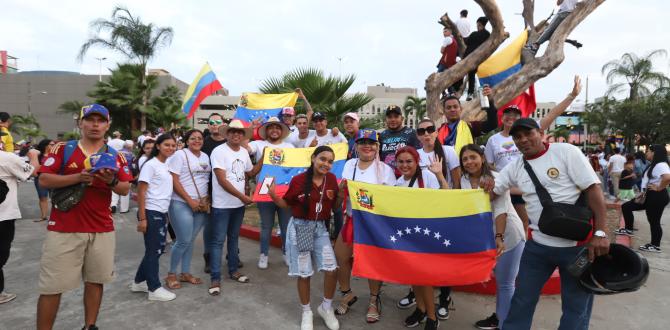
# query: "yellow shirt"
[[7, 140]]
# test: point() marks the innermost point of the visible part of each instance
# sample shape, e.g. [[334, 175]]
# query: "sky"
[[391, 41]]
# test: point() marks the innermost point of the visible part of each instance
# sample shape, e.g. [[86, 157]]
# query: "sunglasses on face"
[[216, 122], [424, 130]]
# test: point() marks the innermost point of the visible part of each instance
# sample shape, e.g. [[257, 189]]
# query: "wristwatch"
[[600, 233]]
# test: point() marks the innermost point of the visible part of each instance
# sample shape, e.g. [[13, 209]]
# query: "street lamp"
[[100, 59], [30, 97]]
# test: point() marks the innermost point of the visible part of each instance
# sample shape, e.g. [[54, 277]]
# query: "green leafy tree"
[[166, 109], [326, 94], [416, 105], [136, 40], [27, 127], [71, 107], [638, 73]]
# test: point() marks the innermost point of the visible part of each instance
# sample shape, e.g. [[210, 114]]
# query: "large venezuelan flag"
[[283, 164], [422, 236], [263, 106], [204, 85]]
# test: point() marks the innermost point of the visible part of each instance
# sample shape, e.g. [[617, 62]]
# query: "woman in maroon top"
[[311, 196]]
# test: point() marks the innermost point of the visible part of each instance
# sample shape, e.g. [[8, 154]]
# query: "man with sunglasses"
[[395, 136]]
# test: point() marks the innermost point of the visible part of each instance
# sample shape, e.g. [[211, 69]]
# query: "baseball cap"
[[391, 109], [288, 111], [99, 161], [367, 134], [523, 123], [92, 109], [512, 108], [318, 116], [351, 115]]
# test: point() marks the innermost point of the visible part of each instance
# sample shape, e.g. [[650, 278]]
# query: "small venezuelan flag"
[[204, 85], [263, 106], [422, 236], [283, 164]]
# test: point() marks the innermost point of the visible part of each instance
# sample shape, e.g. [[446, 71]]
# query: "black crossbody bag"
[[569, 221]]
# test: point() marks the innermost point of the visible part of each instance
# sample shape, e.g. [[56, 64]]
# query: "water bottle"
[[483, 100]]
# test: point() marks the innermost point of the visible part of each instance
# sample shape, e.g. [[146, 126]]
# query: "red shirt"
[[92, 214], [295, 197]]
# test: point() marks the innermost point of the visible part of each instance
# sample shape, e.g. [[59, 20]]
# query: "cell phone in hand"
[[264, 186]]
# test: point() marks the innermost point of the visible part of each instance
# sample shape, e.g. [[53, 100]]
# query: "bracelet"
[[501, 236]]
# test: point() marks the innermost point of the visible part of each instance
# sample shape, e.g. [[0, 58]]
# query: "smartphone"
[[264, 186]]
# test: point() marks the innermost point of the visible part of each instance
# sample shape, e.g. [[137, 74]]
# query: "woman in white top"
[[369, 169], [412, 176], [153, 199], [427, 133], [509, 234], [655, 180], [189, 208], [143, 154]]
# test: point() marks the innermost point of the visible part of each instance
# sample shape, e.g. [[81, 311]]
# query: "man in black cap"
[[566, 174], [324, 135], [395, 136]]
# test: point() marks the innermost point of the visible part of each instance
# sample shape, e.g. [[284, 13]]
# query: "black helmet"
[[622, 270]]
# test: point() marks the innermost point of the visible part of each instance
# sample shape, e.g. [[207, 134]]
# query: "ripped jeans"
[[322, 257]]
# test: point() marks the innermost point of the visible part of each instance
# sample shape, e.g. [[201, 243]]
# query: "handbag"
[[569, 221], [205, 204], [305, 232], [64, 199]]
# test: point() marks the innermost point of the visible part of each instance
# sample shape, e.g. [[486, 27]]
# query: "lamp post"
[[100, 59], [30, 97]]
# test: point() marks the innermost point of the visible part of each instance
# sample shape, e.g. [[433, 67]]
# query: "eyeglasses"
[[216, 122], [424, 130]]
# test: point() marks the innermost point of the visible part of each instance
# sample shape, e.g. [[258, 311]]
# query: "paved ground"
[[270, 300]]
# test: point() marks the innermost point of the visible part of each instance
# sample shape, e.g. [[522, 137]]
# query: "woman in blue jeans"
[[509, 234], [190, 170], [153, 199]]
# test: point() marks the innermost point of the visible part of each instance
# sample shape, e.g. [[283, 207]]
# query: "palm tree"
[[638, 73], [325, 94], [27, 127], [166, 109], [71, 107], [137, 41], [416, 105]]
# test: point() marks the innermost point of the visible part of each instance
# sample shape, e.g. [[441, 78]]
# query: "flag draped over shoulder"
[[204, 85], [422, 236], [263, 106], [283, 164], [503, 64]]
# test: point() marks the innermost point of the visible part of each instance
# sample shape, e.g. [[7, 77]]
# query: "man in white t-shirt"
[[116, 143], [231, 166], [566, 174], [614, 168], [565, 7], [12, 169], [463, 25], [302, 136], [325, 136]]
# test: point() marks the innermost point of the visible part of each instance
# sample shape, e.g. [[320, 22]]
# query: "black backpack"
[[4, 190]]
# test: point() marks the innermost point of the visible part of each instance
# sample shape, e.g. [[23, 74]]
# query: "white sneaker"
[[162, 294], [307, 321], [263, 261], [328, 317], [6, 297], [286, 261], [139, 287]]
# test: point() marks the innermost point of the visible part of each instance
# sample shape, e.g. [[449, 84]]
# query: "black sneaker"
[[624, 231], [650, 248], [90, 327], [443, 308], [415, 318], [408, 301], [431, 324], [490, 323]]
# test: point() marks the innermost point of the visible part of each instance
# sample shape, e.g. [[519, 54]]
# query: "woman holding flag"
[[369, 169], [509, 233], [432, 177], [311, 196]]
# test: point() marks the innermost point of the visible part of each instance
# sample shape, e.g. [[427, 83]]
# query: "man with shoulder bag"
[[566, 209]]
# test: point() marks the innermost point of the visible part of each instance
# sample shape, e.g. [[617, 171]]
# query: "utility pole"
[[100, 59]]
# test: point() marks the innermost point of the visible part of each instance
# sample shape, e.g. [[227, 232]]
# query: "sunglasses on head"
[[424, 130], [216, 122]]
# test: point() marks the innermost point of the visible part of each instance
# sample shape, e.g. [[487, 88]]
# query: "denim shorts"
[[302, 264], [41, 192]]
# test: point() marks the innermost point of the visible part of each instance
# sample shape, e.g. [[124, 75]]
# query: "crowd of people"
[[200, 181]]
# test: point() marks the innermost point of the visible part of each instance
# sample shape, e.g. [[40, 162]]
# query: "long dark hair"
[[473, 147], [154, 150], [437, 148], [660, 156], [42, 148], [309, 176]]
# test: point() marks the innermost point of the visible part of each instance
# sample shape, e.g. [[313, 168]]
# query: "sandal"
[[188, 278], [171, 281], [240, 278], [348, 299], [214, 288], [374, 308]]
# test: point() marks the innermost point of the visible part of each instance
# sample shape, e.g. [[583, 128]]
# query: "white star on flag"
[[426, 231], [408, 231], [393, 239], [437, 236], [446, 243], [399, 233], [417, 229]]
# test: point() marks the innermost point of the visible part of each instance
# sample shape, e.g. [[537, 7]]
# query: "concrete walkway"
[[270, 300]]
